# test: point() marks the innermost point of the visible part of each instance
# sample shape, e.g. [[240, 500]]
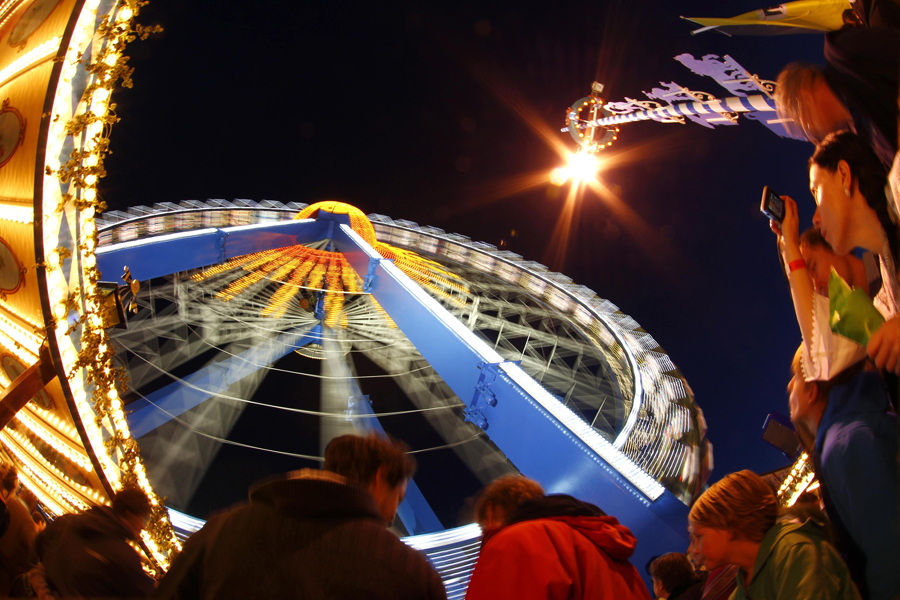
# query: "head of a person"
[[804, 96], [133, 508], [502, 497], [740, 507], [670, 571], [9, 478], [820, 259], [807, 399], [381, 464], [847, 180]]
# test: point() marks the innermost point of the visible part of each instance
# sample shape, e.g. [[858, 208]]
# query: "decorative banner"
[[803, 16], [673, 103]]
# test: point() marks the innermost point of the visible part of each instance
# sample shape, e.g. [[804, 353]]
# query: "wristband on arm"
[[796, 264]]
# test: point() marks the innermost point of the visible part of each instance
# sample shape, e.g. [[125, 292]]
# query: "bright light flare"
[[582, 168]]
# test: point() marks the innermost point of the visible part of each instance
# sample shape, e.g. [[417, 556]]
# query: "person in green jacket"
[[735, 522]]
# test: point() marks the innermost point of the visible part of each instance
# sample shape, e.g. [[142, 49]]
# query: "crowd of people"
[[325, 533]]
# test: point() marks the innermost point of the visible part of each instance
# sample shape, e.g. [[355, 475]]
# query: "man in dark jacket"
[[855, 455], [312, 534], [88, 555], [550, 547]]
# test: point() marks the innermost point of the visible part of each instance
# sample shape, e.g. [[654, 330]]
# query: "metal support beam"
[[523, 411], [181, 396], [166, 254], [26, 386]]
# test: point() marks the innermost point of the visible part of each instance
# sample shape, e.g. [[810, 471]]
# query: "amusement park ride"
[[514, 367]]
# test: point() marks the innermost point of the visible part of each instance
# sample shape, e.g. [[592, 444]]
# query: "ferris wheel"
[[509, 366]]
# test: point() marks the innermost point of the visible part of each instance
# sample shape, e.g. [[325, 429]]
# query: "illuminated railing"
[[650, 373], [166, 217]]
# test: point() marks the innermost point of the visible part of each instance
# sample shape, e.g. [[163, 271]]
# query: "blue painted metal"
[[166, 254], [539, 444], [415, 512], [521, 425], [181, 396]]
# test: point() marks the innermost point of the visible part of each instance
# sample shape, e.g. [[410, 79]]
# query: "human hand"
[[790, 227], [775, 226], [884, 346]]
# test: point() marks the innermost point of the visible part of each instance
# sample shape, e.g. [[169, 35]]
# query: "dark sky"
[[418, 111]]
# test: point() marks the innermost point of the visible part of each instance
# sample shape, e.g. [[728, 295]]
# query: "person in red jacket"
[[550, 547]]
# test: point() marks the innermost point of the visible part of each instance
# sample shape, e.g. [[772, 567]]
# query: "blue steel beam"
[[543, 438], [415, 512], [166, 254], [181, 396]]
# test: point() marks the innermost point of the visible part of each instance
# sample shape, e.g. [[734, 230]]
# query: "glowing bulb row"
[[16, 213], [801, 487], [27, 446], [25, 355], [801, 466], [15, 331], [228, 265], [54, 489], [49, 503], [14, 312], [29, 59], [57, 444], [278, 302], [8, 9]]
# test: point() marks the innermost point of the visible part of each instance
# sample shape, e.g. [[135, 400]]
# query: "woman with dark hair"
[[848, 183]]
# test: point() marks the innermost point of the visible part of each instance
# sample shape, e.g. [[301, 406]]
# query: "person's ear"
[[381, 475], [846, 177], [811, 393]]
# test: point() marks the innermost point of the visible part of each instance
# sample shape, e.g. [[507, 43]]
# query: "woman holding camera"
[[848, 183]]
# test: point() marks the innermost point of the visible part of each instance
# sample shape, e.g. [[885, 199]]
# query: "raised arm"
[[802, 290]]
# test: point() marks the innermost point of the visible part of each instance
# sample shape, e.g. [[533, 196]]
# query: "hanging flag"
[[802, 16]]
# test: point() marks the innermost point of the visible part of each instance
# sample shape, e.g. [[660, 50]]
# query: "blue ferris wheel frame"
[[544, 439]]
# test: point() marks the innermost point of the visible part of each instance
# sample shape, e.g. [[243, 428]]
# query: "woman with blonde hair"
[[736, 522]]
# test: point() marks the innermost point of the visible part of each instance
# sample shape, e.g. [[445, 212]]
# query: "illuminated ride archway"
[[587, 403]]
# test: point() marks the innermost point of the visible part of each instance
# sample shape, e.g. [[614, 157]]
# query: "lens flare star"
[[582, 168]]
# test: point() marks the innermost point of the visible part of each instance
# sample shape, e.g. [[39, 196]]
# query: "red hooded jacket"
[[558, 557]]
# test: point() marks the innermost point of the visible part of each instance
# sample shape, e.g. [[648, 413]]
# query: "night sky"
[[438, 113]]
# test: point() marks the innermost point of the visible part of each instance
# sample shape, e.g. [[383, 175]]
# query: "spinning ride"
[[508, 362]]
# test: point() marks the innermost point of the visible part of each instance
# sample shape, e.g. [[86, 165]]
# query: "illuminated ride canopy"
[[505, 362]]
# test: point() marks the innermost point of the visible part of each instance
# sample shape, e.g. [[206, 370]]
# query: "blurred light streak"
[[558, 245]]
